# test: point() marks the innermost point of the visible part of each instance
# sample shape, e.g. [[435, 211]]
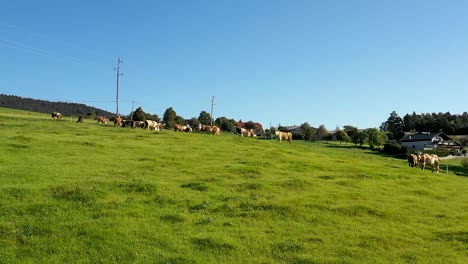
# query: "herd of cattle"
[[422, 159], [414, 160], [156, 126]]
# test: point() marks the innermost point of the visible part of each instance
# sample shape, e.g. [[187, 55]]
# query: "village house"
[[426, 141]]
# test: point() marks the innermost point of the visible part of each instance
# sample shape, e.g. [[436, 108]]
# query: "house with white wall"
[[426, 140]]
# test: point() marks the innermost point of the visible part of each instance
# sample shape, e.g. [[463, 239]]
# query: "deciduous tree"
[[341, 135], [321, 132], [375, 138], [226, 124], [169, 117], [204, 118], [307, 132]]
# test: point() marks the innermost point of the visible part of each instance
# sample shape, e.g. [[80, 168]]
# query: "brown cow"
[[103, 119], [429, 159], [252, 133], [205, 128], [210, 129], [284, 135], [160, 126], [118, 121], [413, 160], [182, 128], [246, 132], [215, 130]]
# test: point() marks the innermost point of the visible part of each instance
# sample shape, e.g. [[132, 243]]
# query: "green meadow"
[[88, 193]]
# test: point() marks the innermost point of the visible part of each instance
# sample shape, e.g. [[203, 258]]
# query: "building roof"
[[293, 128], [423, 136], [242, 125]]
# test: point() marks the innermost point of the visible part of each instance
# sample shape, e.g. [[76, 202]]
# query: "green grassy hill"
[[92, 193]]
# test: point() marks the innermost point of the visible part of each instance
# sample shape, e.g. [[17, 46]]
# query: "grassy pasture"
[[87, 193]]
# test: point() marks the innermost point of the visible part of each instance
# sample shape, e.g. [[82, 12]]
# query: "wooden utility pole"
[[211, 114], [133, 102], [117, 96]]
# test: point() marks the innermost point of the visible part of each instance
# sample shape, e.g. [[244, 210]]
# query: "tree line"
[[392, 129], [43, 106], [450, 124], [170, 118]]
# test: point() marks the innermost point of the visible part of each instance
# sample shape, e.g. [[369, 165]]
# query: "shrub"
[[394, 149], [464, 163]]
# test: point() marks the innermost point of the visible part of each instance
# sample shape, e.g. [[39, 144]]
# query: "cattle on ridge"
[[160, 126], [210, 129], [246, 132], [151, 125], [139, 124], [102, 119], [182, 128], [284, 135], [215, 130], [205, 128], [118, 121]]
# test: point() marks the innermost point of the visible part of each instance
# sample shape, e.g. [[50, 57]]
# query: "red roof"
[[242, 125]]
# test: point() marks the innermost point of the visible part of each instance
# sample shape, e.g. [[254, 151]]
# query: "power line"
[[54, 39], [37, 51]]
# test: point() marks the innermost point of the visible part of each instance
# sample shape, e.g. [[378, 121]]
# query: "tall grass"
[[96, 193]]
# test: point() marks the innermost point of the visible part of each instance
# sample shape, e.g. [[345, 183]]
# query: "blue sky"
[[331, 62]]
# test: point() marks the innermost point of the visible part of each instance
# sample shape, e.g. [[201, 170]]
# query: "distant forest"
[[42, 106], [450, 124]]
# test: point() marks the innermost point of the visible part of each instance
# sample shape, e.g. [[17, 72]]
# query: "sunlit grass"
[[96, 193]]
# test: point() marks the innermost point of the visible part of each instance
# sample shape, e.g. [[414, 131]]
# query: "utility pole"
[[117, 96], [211, 114], [271, 132], [133, 102]]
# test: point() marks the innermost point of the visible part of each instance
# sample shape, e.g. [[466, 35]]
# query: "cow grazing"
[[284, 135], [103, 119], [205, 128], [428, 159], [138, 124], [413, 160], [118, 121], [127, 123], [56, 115], [182, 128], [242, 132], [160, 126], [151, 125], [215, 130], [80, 119], [252, 133], [210, 129], [246, 132]]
